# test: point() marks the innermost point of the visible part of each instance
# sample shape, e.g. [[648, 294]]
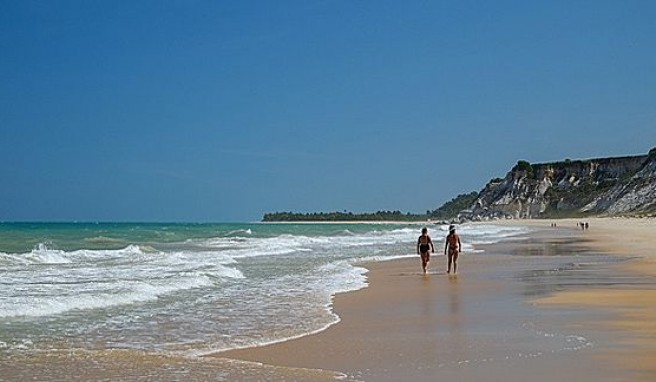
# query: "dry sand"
[[633, 305], [512, 317]]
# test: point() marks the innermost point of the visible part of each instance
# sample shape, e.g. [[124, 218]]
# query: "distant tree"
[[452, 208], [525, 167]]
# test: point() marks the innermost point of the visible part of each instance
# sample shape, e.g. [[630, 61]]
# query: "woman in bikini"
[[424, 244], [453, 246]]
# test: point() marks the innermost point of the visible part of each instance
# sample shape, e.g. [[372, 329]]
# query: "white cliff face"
[[637, 195], [602, 186], [516, 196]]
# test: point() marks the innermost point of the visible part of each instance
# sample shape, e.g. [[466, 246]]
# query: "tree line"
[[447, 211], [339, 216]]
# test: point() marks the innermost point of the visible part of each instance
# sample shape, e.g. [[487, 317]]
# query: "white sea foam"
[[127, 293], [49, 282], [344, 277], [43, 255], [240, 288], [240, 232], [287, 244], [378, 259]]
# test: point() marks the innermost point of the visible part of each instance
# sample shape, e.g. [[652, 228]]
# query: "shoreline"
[[554, 303], [365, 348]]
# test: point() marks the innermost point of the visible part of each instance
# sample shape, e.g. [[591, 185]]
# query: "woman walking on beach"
[[424, 244], [453, 246]]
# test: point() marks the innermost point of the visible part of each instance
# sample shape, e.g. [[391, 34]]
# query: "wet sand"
[[554, 306], [128, 365]]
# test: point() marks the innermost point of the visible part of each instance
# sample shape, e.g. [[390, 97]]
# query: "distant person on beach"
[[452, 247], [424, 244]]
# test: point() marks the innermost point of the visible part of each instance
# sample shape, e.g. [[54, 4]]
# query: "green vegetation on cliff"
[[526, 167], [450, 209]]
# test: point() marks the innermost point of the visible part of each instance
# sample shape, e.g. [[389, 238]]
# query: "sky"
[[221, 111]]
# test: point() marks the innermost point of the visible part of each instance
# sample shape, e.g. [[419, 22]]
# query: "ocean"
[[189, 289]]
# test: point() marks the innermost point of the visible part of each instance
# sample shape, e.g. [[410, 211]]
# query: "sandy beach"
[[561, 304], [558, 303], [631, 305]]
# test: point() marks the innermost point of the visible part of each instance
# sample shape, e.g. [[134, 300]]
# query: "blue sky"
[[225, 110]]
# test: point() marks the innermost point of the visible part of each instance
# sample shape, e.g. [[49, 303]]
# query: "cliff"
[[603, 186]]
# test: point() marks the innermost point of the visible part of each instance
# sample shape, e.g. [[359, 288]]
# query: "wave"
[[45, 279], [344, 277], [114, 294], [50, 281], [103, 240], [42, 254], [286, 244], [239, 232], [35, 257]]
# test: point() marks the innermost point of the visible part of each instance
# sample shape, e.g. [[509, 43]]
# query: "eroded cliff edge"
[[601, 186]]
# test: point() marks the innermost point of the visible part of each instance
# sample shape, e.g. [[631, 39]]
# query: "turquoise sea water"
[[187, 289]]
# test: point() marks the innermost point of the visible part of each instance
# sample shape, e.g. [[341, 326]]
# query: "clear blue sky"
[[223, 110]]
